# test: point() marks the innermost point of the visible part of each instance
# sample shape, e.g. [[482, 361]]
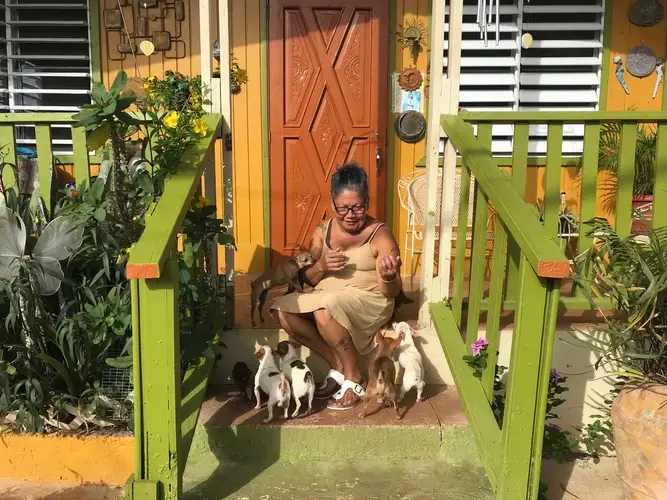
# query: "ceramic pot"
[[235, 88], [639, 415]]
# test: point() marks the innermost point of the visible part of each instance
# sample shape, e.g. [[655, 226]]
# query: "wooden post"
[[206, 48], [159, 385], [443, 98], [226, 130]]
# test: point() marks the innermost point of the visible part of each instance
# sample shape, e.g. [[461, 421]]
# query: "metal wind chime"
[[485, 19]]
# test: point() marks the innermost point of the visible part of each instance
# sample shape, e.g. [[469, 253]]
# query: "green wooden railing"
[[512, 452], [621, 199], [166, 406], [527, 266], [45, 157]]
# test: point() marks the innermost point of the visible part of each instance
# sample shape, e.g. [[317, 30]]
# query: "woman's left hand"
[[388, 267]]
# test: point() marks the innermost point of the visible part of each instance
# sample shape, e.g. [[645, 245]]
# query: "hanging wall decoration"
[[413, 36], [485, 19], [618, 61], [410, 126], [641, 61], [410, 79], [646, 12], [145, 22], [660, 74]]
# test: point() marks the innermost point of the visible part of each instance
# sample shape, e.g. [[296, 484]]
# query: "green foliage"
[[54, 350], [610, 149], [632, 272]]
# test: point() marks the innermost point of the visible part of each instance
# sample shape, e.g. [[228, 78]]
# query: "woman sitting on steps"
[[356, 278]]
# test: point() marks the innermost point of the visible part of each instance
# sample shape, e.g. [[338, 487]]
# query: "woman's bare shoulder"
[[384, 242]]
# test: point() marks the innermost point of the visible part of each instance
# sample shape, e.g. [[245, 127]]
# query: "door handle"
[[378, 161]]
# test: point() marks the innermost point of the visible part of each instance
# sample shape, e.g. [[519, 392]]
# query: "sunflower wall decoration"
[[413, 35]]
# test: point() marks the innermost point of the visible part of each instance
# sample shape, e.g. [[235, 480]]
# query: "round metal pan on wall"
[[641, 61], [410, 126]]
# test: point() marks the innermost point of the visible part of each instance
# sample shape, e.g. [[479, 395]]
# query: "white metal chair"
[[412, 192]]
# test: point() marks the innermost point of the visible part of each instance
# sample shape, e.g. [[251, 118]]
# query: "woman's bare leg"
[[341, 342], [303, 330]]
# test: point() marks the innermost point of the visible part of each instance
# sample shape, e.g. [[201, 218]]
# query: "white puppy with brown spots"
[[298, 373], [411, 360], [272, 382]]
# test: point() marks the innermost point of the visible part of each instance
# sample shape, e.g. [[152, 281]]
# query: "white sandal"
[[347, 384], [334, 375]]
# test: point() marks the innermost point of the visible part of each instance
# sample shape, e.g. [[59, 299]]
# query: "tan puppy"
[[382, 374], [286, 273]]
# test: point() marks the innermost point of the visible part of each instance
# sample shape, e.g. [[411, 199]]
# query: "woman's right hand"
[[333, 260]]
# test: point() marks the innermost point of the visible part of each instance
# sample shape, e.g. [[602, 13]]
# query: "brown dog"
[[382, 374], [286, 273]]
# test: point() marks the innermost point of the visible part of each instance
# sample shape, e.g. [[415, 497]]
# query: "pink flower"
[[554, 426], [478, 346], [554, 375]]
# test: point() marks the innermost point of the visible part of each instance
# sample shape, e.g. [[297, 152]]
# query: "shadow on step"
[[212, 468]]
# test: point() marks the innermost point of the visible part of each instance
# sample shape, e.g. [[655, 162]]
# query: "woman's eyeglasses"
[[356, 210]]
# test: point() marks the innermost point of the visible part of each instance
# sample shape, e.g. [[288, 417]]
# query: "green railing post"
[[160, 385], [519, 175], [522, 388]]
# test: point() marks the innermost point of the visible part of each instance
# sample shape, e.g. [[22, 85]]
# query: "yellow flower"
[[171, 120], [200, 127], [201, 202], [147, 86]]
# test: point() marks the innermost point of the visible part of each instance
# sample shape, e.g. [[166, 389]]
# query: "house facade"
[[323, 88]]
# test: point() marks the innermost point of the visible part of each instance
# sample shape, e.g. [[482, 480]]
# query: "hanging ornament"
[[641, 61], [618, 61], [484, 20], [646, 13], [526, 40], [147, 47], [410, 79], [660, 73]]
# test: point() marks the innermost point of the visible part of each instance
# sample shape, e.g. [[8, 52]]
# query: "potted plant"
[[239, 76], [608, 158], [633, 273]]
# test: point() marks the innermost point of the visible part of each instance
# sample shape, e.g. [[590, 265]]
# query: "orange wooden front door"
[[328, 85]]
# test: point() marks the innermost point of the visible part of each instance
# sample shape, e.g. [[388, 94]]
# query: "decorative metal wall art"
[[413, 35], [410, 79], [660, 74], [618, 60], [485, 19], [641, 61], [646, 12], [138, 21]]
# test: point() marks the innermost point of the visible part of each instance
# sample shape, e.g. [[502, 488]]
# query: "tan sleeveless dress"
[[351, 295]]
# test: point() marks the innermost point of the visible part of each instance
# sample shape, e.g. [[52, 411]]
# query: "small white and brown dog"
[[411, 360], [298, 373], [272, 382]]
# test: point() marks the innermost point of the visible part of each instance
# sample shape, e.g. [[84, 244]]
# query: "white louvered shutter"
[[561, 71], [45, 62]]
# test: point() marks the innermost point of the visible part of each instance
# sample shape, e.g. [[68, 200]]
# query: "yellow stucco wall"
[[91, 459]]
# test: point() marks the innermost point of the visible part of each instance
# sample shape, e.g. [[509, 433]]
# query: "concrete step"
[[377, 479], [230, 428]]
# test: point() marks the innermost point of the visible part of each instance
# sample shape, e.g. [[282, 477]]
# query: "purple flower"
[[478, 346], [554, 375], [554, 426]]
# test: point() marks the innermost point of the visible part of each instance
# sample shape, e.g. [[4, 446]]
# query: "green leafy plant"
[[610, 150], [632, 272], [56, 349]]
